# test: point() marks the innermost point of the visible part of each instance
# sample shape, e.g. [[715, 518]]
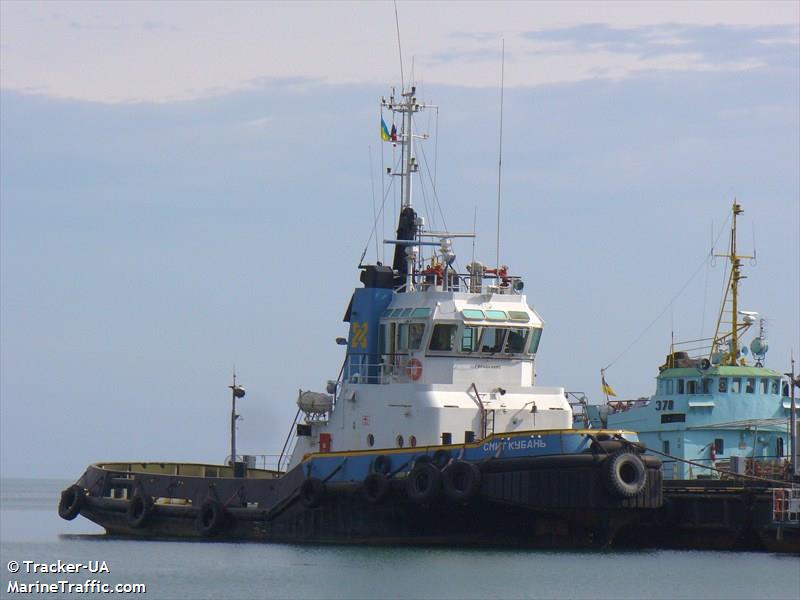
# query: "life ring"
[[624, 474], [424, 482], [414, 369], [375, 487], [139, 510], [312, 492], [461, 481], [210, 518], [72, 500], [382, 464]]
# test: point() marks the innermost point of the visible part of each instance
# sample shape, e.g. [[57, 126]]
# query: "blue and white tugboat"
[[434, 432]]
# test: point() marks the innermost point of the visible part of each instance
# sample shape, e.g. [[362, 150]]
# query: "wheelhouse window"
[[736, 385], [416, 331], [691, 386], [492, 339], [670, 386], [706, 385], [764, 385], [444, 337], [723, 385], [681, 386], [776, 387], [536, 335], [469, 339], [751, 385], [515, 341]]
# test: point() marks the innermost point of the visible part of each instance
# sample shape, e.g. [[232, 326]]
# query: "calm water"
[[31, 530]]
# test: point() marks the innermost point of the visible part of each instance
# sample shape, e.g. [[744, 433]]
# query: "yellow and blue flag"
[[384, 131], [607, 389]]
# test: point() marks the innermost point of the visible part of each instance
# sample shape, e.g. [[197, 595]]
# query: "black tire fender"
[[624, 474], [211, 518], [375, 487], [139, 510], [461, 480], [312, 492], [441, 458], [382, 464], [71, 502], [423, 483]]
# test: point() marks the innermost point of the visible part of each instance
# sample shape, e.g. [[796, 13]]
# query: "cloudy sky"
[[188, 187]]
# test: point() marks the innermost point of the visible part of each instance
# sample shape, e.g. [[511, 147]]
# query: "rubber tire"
[[423, 483], [461, 481], [375, 487], [382, 464], [211, 518], [441, 458], [624, 474], [312, 492], [72, 501], [139, 510]]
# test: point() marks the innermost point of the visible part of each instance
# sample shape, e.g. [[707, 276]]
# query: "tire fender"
[[71, 502]]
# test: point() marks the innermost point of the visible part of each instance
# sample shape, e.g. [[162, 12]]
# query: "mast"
[[732, 296], [406, 253]]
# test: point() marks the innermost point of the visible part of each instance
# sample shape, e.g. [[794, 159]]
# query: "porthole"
[[413, 441], [370, 440], [400, 441]]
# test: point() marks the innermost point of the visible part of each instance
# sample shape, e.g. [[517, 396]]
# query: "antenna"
[[374, 214], [500, 153], [399, 49], [474, 228]]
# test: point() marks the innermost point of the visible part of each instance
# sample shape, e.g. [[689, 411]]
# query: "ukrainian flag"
[[607, 389], [384, 131]]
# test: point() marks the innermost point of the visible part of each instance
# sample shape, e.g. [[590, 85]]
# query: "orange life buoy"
[[414, 369]]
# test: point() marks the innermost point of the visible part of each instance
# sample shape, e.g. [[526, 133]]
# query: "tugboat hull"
[[550, 502]]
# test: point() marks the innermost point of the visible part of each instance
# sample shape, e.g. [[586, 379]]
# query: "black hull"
[[558, 502], [706, 515]]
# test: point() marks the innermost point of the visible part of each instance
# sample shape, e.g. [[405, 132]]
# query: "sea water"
[[30, 530]]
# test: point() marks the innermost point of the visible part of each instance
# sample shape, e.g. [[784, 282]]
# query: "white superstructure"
[[434, 356]]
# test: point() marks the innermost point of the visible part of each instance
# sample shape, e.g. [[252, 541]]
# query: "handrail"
[[289, 437]]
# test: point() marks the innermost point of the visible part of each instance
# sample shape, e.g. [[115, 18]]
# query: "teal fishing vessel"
[[717, 408]]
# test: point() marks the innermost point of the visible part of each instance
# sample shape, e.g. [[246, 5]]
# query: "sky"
[[187, 188]]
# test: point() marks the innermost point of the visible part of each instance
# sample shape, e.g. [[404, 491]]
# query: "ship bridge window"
[[443, 338], [776, 386], [519, 315], [706, 385], [691, 386], [723, 385], [670, 388], [405, 312], [736, 385], [751, 385], [536, 335], [764, 385], [469, 339], [409, 336], [421, 313], [496, 315], [681, 386], [515, 342], [472, 314], [492, 339]]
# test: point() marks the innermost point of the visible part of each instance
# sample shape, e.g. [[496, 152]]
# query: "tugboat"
[[722, 427], [434, 432]]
